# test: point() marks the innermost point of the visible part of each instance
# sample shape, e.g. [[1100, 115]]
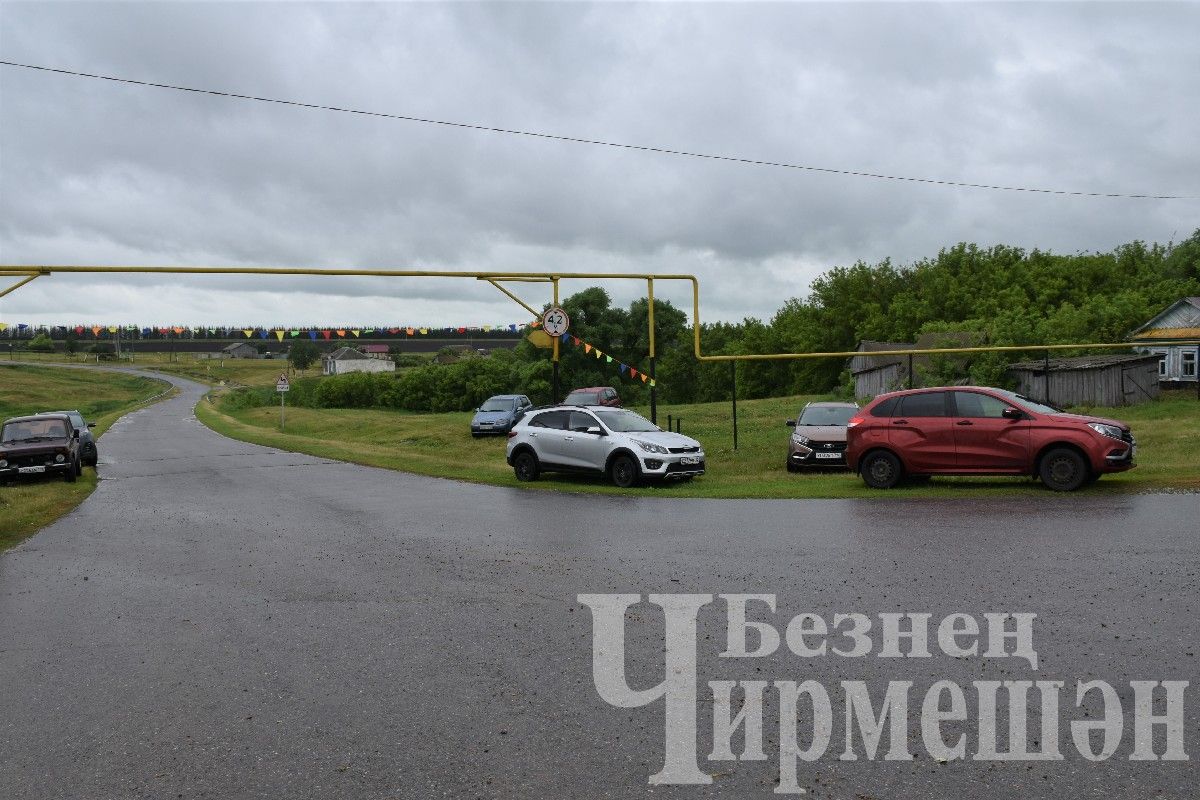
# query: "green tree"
[[42, 343], [303, 354]]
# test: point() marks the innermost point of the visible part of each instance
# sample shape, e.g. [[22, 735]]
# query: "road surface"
[[224, 620]]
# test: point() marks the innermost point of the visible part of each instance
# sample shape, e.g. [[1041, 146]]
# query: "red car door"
[[985, 439], [921, 431]]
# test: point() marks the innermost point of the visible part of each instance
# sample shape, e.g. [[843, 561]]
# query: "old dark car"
[[46, 444]]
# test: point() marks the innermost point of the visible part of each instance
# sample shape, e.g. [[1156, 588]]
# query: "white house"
[[347, 359], [1177, 362]]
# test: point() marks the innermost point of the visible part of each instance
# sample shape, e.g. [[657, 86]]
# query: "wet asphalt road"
[[229, 621]]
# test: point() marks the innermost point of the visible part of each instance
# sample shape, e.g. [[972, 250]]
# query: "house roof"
[[1084, 362], [1180, 320], [926, 341], [375, 348], [345, 354], [867, 363]]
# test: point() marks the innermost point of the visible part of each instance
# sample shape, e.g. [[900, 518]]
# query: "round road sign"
[[555, 321]]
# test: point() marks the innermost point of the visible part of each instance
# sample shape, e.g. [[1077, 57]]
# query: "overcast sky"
[[1081, 96]]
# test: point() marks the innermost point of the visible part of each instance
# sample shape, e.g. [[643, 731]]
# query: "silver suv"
[[615, 442]]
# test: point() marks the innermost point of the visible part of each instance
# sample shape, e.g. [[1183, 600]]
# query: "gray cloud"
[[1090, 97]]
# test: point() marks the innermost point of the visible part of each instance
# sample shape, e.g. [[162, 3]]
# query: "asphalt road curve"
[[223, 620]]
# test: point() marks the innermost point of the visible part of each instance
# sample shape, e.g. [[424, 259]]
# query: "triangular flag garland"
[[622, 367]]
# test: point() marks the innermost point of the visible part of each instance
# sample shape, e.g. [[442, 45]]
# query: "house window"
[[1188, 362], [1162, 366]]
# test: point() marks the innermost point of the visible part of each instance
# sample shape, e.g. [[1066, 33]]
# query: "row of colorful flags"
[[622, 367]]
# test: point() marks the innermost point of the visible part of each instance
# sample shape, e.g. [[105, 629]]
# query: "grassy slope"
[[439, 444], [102, 397]]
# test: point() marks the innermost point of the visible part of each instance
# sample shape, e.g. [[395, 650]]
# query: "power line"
[[599, 142]]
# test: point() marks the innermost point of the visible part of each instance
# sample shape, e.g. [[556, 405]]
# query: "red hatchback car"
[[970, 430]]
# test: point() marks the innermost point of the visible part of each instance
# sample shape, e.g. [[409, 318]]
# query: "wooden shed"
[[1108, 380]]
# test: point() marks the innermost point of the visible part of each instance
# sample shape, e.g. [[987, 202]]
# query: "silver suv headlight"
[[1111, 431], [651, 447], [3, 463], [60, 458], [800, 438]]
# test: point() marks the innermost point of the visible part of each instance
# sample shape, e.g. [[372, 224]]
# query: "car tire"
[[881, 470], [525, 466], [72, 474], [792, 467], [624, 472], [1063, 470]]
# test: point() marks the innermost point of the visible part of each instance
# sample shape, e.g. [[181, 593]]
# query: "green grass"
[[233, 371], [102, 397], [217, 372], [1168, 433]]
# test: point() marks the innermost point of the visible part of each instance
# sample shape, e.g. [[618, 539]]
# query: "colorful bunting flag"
[[312, 335], [279, 335], [356, 333], [249, 332]]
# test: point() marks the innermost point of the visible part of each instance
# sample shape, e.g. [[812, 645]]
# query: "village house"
[[347, 359], [1176, 362]]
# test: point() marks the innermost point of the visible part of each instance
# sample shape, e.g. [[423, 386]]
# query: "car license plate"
[[28, 470], [689, 460], [829, 455]]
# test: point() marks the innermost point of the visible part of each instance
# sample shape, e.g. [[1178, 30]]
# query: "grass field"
[[218, 372], [101, 396], [1168, 433]]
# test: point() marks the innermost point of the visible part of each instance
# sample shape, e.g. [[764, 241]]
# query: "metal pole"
[[650, 322], [670, 426], [733, 393], [555, 390], [1046, 372], [281, 396], [910, 371], [1196, 372]]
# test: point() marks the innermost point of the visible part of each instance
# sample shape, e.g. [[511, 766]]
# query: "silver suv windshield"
[[497, 405], [826, 415], [620, 420]]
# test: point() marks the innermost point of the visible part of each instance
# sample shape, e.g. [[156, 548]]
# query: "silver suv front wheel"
[[624, 471]]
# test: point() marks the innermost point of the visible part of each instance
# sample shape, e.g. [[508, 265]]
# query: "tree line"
[[1002, 295]]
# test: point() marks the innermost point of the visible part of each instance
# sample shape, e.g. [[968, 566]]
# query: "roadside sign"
[[282, 385], [555, 321]]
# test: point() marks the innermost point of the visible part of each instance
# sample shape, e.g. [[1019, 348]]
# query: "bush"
[[42, 343]]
